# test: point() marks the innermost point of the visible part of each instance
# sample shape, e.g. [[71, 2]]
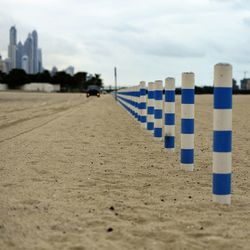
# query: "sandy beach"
[[80, 173]]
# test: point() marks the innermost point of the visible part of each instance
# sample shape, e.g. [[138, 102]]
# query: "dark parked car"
[[93, 90]]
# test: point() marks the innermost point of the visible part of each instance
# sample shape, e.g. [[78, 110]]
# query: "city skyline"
[[156, 40], [26, 55]]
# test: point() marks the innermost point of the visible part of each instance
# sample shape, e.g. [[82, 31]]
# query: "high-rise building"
[[12, 47], [19, 54], [1, 64], [25, 63], [7, 65], [54, 70], [245, 84], [70, 70], [13, 35], [40, 61], [28, 51], [34, 52]]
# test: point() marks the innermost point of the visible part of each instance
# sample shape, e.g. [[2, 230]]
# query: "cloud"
[[142, 37], [246, 21]]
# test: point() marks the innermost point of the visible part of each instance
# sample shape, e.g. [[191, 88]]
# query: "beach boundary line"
[[157, 115]]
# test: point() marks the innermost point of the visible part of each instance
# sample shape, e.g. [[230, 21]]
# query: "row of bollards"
[[154, 107]]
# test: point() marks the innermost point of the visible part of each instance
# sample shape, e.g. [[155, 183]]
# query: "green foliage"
[[43, 77], [77, 83], [64, 79], [80, 81], [2, 77], [95, 80], [16, 78]]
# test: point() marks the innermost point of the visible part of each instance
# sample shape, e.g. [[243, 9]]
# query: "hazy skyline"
[[145, 39]]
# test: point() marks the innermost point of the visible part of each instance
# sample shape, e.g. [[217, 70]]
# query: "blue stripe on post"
[[187, 96], [150, 94], [187, 126], [158, 114], [169, 95], [221, 184], [222, 98], [169, 119], [187, 156], [143, 105], [150, 110], [158, 95], [222, 141], [127, 100], [143, 119], [150, 126], [169, 141], [143, 92], [139, 106], [157, 132]]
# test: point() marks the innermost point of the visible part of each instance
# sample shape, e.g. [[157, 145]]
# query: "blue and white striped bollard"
[[222, 135], [187, 121], [169, 107], [150, 107], [158, 104], [143, 104], [133, 95], [138, 103]]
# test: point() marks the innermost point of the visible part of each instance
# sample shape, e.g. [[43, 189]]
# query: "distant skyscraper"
[[25, 63], [53, 71], [13, 35], [7, 65], [1, 64], [70, 70], [19, 54], [40, 61], [34, 51], [28, 51], [12, 47]]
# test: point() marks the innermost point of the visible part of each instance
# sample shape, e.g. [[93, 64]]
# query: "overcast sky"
[[145, 39]]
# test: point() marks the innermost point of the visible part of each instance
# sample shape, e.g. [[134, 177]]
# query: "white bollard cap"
[[187, 80], [170, 83], [158, 84], [150, 86], [143, 84], [223, 75]]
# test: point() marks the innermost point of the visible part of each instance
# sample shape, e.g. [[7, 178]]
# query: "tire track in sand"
[[62, 113]]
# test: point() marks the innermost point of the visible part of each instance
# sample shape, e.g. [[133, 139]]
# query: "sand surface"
[[78, 173]]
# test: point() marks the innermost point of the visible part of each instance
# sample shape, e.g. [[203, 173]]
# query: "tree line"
[[77, 83]]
